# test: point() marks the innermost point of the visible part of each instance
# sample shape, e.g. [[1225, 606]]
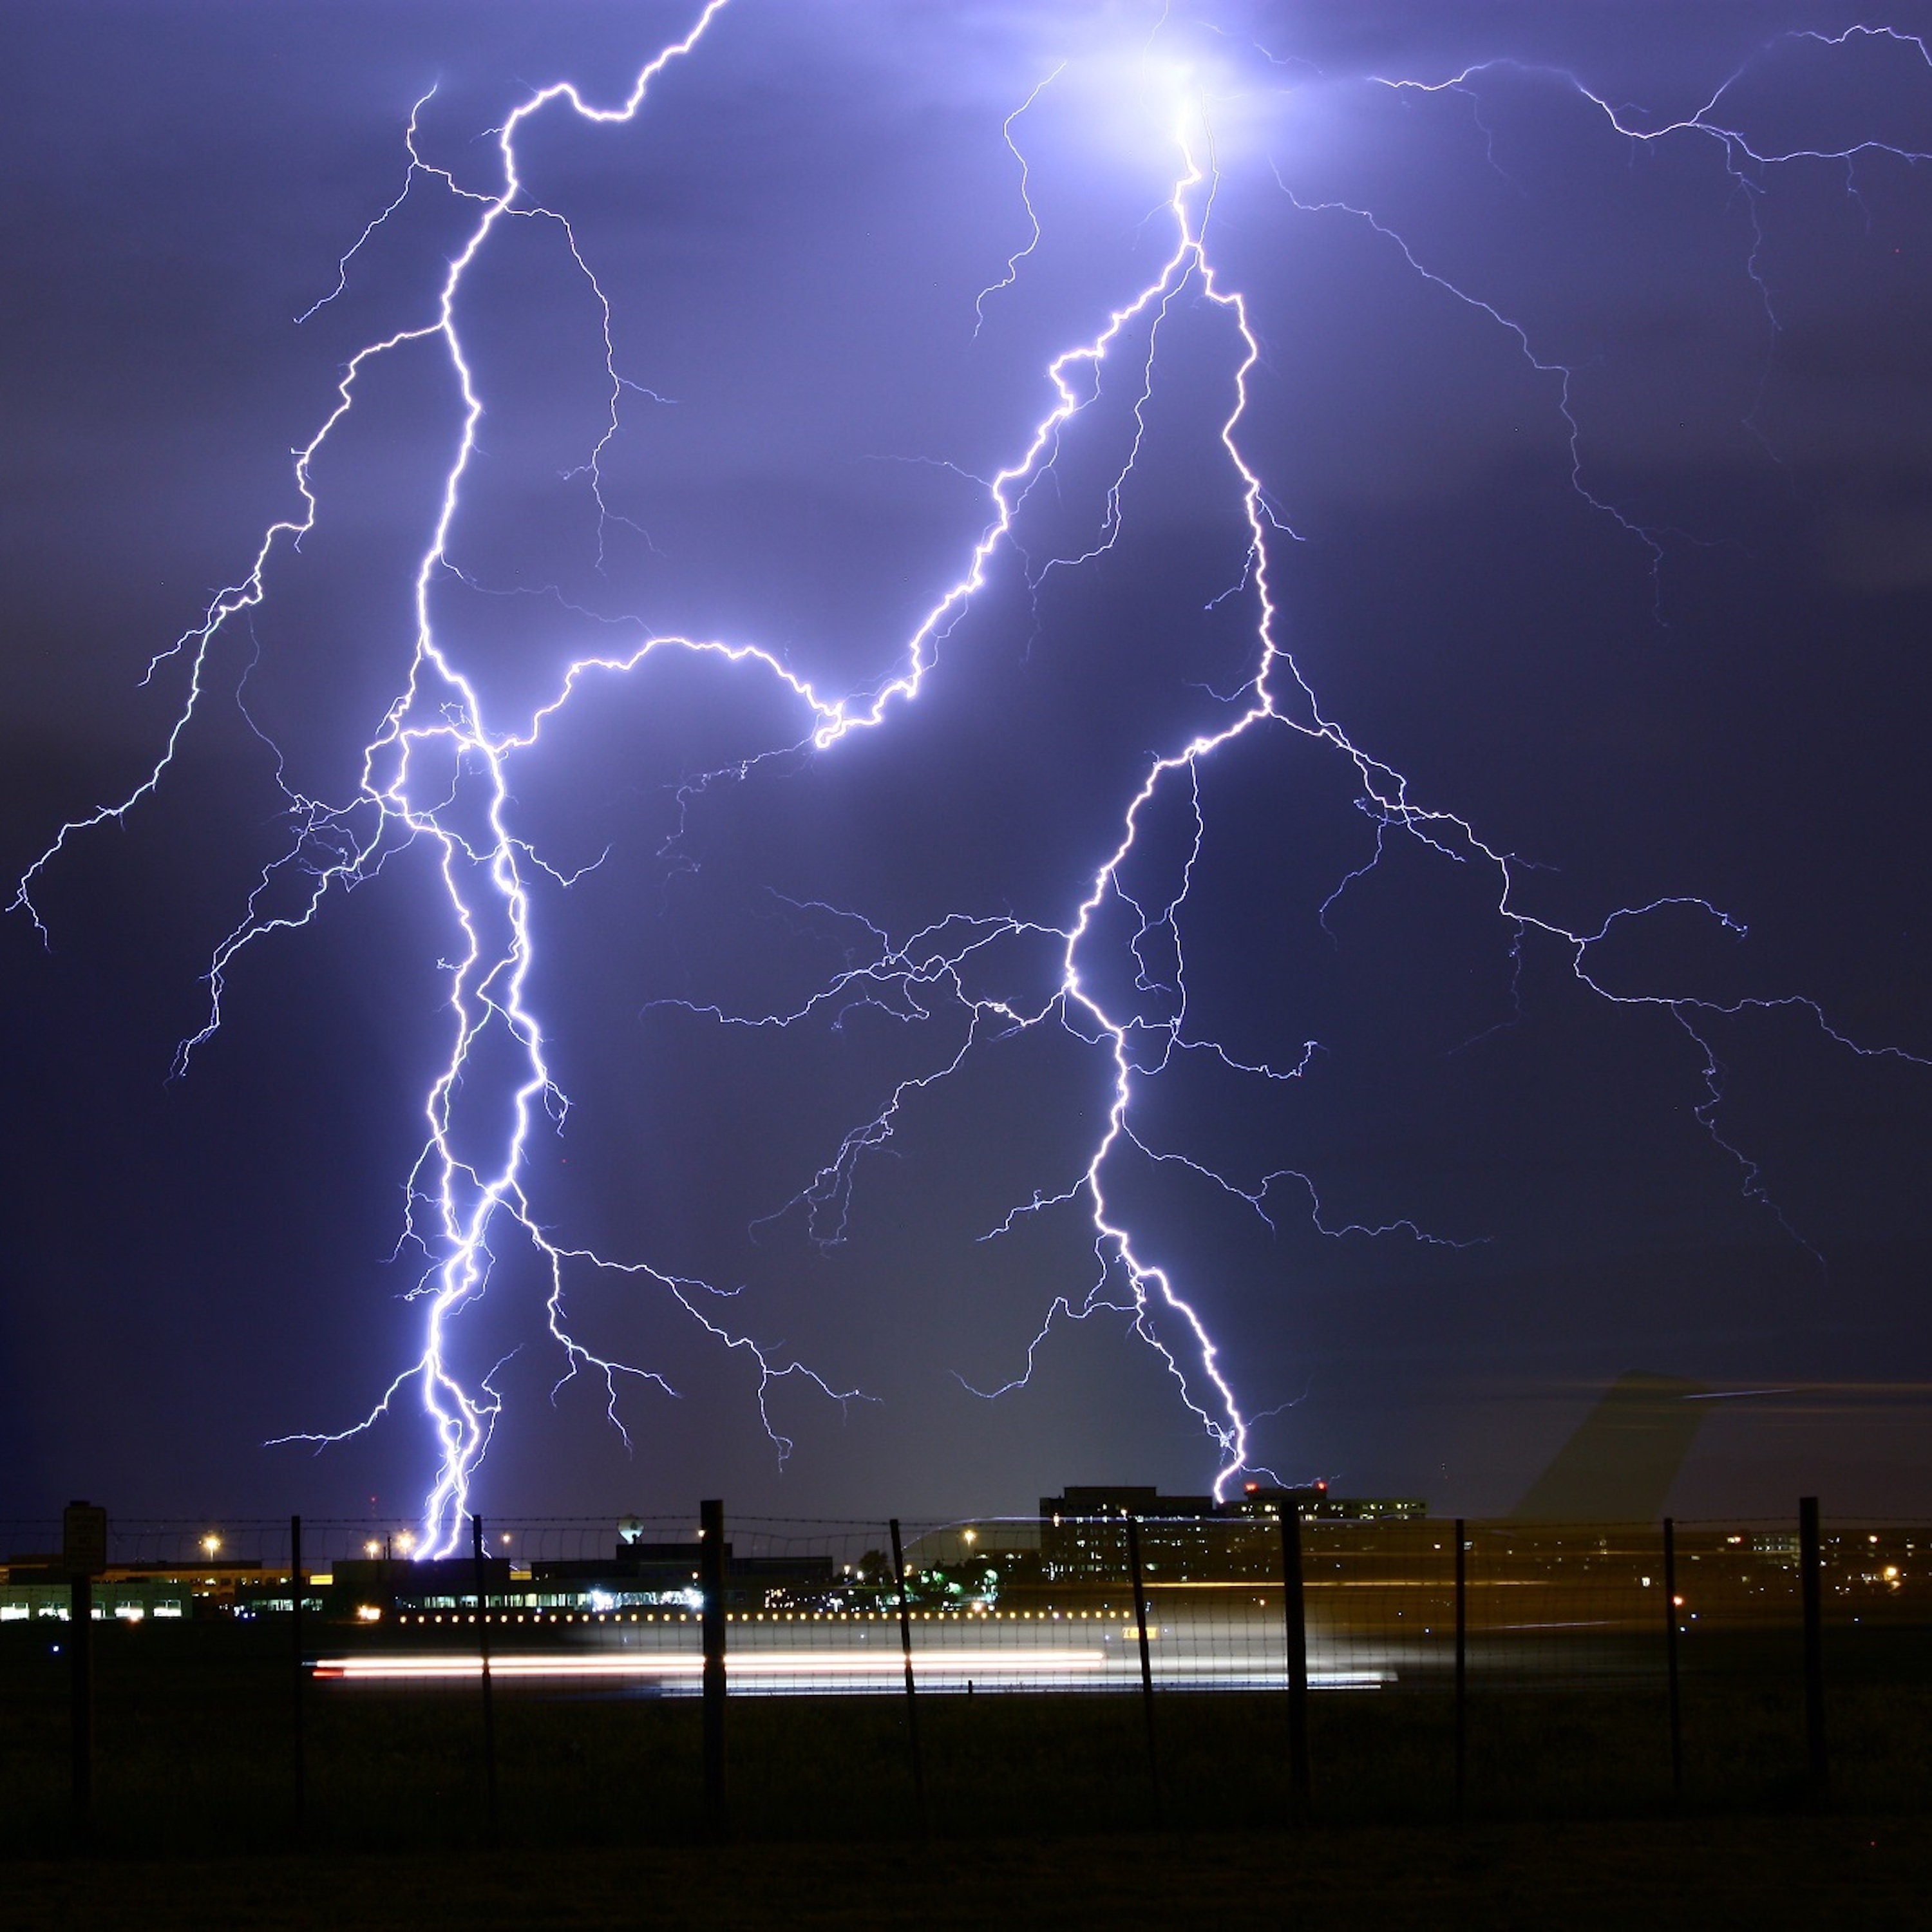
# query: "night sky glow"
[[868, 754]]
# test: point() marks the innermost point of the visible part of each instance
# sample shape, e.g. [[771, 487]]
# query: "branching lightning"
[[437, 775]]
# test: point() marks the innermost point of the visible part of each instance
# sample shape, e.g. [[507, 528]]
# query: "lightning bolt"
[[437, 778]]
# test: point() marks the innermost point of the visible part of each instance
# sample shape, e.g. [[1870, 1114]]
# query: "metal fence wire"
[[332, 1677]]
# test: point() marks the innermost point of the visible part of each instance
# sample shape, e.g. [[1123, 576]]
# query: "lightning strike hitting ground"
[[438, 774]]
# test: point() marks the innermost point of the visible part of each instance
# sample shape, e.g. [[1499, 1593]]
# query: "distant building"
[[1314, 1504], [33, 1588], [1188, 1539], [25, 1597], [415, 1583], [635, 1575], [1083, 1533], [643, 1575]]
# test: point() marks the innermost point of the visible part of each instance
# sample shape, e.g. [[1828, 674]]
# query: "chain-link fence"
[[246, 1682]]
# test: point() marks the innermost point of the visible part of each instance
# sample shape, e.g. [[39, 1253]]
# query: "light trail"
[[807, 1672]]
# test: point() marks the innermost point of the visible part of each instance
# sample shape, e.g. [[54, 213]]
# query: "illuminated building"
[[1314, 1504], [1189, 1539]]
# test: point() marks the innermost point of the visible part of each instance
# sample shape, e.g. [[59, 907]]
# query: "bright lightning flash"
[[438, 774]]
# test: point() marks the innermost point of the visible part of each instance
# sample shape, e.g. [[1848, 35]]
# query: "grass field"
[[1658, 1875], [194, 1754], [1040, 1807]]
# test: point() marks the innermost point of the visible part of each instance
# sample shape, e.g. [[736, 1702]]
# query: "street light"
[[210, 1543]]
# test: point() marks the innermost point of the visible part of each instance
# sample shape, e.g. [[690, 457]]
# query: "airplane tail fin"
[[1620, 1464]]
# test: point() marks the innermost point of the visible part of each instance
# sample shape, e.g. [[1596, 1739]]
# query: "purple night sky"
[[1595, 465]]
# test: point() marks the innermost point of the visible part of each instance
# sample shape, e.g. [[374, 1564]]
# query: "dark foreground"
[[1704, 1873]]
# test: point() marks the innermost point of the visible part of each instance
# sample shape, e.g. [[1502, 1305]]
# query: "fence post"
[[711, 1582], [1462, 1662], [1146, 1661], [1670, 1655], [80, 1666], [298, 1587], [905, 1647], [489, 1687], [1809, 1565], [1295, 1613], [83, 1558]]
